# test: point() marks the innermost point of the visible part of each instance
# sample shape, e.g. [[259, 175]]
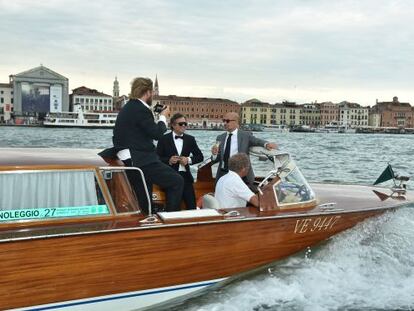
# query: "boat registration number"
[[58, 212], [316, 224]]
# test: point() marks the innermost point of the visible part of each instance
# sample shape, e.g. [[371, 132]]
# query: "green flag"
[[387, 174]]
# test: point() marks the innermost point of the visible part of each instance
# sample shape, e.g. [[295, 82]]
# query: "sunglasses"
[[227, 120], [182, 123]]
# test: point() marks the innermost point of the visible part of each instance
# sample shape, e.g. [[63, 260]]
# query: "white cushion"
[[209, 201]]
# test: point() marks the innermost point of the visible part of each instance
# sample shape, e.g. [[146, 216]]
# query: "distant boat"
[[276, 128], [335, 127], [302, 129], [81, 119], [253, 127]]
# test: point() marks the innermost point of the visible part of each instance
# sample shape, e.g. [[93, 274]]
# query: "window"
[[49, 195]]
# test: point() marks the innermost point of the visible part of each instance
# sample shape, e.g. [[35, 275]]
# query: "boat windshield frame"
[[103, 169], [286, 168], [288, 176]]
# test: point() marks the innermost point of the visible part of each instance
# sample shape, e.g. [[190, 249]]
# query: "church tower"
[[116, 88], [156, 89]]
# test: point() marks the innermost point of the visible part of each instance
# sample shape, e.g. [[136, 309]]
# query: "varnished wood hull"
[[50, 270]]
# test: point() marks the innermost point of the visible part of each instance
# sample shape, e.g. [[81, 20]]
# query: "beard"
[[149, 101]]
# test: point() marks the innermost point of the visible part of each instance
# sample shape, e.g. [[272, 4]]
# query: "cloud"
[[218, 47]]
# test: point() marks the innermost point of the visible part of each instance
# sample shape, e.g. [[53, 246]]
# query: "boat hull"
[[66, 268]]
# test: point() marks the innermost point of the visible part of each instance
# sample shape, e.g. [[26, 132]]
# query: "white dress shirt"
[[231, 191], [179, 146], [234, 147], [125, 154]]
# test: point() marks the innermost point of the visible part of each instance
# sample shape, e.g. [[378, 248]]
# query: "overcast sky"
[[298, 50]]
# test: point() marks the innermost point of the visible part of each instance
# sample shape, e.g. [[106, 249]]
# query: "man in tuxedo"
[[133, 138], [235, 141], [180, 150]]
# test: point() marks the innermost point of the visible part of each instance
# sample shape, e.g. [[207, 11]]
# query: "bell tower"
[[116, 88], [156, 89]]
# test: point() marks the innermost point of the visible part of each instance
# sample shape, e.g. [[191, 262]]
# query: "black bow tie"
[[178, 137]]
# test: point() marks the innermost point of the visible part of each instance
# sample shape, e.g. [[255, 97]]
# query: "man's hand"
[[165, 112], [173, 160], [183, 161], [270, 146], [215, 148]]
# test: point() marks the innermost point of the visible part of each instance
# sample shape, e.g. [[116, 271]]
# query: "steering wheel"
[[302, 189]]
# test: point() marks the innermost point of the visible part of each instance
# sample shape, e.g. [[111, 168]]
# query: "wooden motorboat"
[[72, 234]]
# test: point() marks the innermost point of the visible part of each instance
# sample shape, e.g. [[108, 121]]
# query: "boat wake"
[[370, 267]]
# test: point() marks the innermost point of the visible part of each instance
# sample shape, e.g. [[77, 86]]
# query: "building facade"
[[353, 114], [254, 111], [329, 113], [6, 102], [311, 115], [393, 114], [91, 100], [39, 91], [199, 111]]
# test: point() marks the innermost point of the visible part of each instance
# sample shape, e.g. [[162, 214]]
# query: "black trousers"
[[162, 175], [188, 192]]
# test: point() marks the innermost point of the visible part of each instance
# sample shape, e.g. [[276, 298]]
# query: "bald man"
[[235, 141]]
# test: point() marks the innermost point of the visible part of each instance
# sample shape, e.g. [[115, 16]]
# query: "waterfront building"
[[91, 100], [199, 111], [311, 115], [255, 111], [39, 91], [393, 114], [374, 118], [6, 102], [353, 114], [286, 113], [329, 113]]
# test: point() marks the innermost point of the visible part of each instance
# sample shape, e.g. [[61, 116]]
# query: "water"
[[370, 267]]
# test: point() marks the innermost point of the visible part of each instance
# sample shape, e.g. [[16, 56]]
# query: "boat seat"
[[209, 201]]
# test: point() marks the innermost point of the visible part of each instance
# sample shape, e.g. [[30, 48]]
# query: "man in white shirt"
[[231, 191]]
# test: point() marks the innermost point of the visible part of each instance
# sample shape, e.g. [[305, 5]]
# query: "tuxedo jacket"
[[136, 130], [166, 149], [245, 140]]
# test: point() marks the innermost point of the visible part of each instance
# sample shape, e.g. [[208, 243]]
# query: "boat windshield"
[[292, 188]]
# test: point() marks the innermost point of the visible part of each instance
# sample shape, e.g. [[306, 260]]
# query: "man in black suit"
[[134, 134], [180, 150]]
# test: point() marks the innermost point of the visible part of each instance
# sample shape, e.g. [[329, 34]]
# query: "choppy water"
[[370, 267]]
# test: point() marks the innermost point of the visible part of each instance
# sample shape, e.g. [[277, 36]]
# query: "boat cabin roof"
[[12, 157]]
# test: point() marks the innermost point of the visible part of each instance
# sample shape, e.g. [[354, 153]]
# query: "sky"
[[295, 50]]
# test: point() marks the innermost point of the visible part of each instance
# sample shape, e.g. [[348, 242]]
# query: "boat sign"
[[58, 212]]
